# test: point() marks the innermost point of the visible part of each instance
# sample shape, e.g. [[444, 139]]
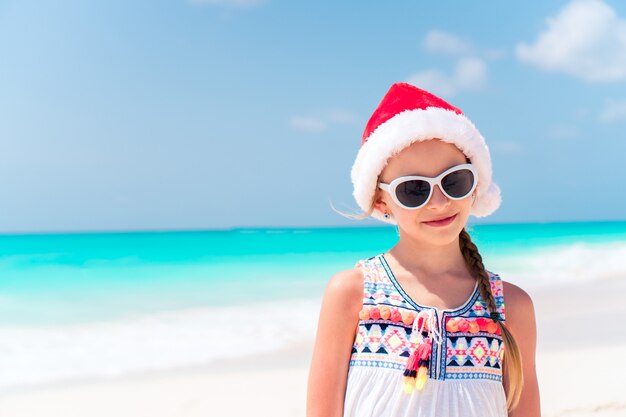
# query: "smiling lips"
[[441, 222]]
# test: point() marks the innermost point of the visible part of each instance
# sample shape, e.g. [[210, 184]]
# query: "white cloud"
[[341, 116], [307, 123], [228, 3], [438, 41], [563, 132], [434, 81], [613, 110], [586, 39], [446, 43], [470, 74], [321, 121], [506, 147]]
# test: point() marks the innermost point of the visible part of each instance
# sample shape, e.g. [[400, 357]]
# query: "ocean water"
[[75, 306]]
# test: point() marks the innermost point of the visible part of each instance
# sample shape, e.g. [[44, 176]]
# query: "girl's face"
[[428, 158]]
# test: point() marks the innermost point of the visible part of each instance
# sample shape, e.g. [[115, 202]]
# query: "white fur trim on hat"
[[417, 125]]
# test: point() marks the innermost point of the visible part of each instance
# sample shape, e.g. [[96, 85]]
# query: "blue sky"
[[204, 114]]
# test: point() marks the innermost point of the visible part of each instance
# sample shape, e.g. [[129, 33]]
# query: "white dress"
[[463, 374]]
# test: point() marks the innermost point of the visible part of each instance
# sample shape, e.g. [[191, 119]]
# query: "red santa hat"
[[409, 114]]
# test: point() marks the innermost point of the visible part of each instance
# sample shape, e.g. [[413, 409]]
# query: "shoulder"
[[516, 298], [339, 313], [522, 323], [344, 290], [520, 310], [336, 332], [346, 285]]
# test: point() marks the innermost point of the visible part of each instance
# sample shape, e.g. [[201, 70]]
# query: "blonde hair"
[[513, 380], [512, 364], [370, 209]]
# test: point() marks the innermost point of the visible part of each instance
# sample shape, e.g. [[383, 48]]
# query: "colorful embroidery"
[[474, 357], [467, 345], [471, 325]]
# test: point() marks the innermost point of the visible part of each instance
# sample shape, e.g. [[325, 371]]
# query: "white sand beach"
[[581, 347]]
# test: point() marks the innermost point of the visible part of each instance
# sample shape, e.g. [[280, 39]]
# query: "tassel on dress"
[[416, 370]]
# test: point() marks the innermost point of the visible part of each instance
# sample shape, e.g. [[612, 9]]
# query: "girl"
[[421, 330]]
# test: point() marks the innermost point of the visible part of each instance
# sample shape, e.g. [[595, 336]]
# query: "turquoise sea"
[[105, 304]]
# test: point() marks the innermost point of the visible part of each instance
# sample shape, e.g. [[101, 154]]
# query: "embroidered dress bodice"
[[461, 353]]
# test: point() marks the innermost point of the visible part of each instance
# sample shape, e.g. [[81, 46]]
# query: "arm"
[[520, 316], [338, 321]]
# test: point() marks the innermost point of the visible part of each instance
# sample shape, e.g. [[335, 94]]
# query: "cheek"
[[464, 205]]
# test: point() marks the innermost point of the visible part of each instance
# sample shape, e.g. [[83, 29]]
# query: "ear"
[[380, 204]]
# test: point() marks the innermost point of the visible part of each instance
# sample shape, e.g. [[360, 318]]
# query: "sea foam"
[[39, 355]]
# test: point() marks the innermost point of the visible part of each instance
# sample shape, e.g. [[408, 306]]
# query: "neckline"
[[418, 306]]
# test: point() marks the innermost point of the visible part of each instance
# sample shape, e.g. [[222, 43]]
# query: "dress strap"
[[497, 289], [373, 270], [377, 289], [368, 282]]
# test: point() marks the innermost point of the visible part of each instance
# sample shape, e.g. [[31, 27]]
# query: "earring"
[[386, 215]]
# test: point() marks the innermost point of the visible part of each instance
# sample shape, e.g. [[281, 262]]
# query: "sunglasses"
[[414, 191]]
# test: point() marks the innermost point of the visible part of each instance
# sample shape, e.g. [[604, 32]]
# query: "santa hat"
[[409, 114]]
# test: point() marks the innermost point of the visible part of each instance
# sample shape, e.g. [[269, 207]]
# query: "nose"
[[438, 198]]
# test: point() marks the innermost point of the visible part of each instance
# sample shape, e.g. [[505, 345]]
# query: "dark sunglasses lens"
[[413, 193], [458, 183]]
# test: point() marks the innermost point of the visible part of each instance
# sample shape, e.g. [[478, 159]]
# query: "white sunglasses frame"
[[391, 187]]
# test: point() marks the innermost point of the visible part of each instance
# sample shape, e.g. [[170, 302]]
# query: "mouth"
[[441, 221]]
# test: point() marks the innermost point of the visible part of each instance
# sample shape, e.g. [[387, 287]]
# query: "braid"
[[475, 262], [512, 363]]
